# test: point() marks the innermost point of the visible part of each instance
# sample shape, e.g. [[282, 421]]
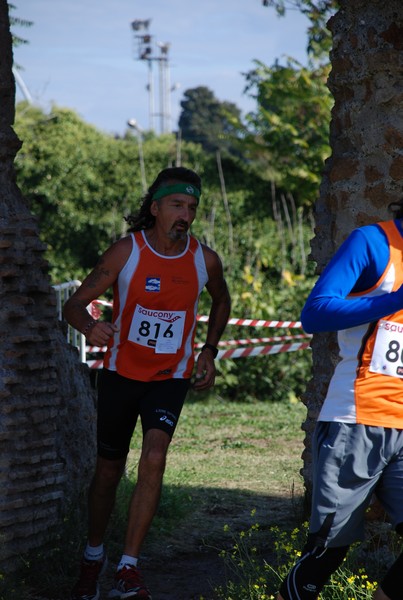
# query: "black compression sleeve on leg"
[[391, 584], [307, 578]]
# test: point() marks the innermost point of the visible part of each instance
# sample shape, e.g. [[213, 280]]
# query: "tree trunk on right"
[[364, 173]]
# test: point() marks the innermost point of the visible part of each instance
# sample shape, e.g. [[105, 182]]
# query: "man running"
[[157, 273], [358, 440]]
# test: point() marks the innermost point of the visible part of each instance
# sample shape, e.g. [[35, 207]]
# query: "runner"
[[157, 273], [358, 441]]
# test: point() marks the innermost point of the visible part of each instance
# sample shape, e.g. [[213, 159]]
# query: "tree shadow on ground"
[[182, 556], [184, 561]]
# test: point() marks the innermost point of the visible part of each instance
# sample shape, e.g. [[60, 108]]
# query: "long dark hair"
[[144, 219]]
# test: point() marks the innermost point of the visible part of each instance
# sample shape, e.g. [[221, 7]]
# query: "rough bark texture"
[[46, 403], [365, 171]]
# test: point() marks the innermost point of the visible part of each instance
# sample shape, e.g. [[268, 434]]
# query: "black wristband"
[[210, 347]]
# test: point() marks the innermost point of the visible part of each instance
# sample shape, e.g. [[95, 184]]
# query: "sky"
[[84, 55]]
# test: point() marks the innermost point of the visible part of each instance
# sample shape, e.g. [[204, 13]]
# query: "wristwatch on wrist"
[[212, 349]]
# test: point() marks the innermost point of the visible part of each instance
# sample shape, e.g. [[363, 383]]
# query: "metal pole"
[[168, 98], [162, 94], [151, 95]]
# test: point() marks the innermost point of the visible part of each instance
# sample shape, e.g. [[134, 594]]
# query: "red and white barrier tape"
[[248, 341], [257, 322], [261, 350], [102, 302], [272, 348], [238, 352], [95, 364], [93, 349], [265, 340], [233, 321]]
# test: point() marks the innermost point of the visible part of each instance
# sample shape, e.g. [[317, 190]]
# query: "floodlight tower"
[[165, 87], [144, 52]]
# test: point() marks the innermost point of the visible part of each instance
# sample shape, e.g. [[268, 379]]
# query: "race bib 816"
[[158, 329]]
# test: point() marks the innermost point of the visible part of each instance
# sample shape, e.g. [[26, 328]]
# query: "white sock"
[[127, 560], [94, 552]]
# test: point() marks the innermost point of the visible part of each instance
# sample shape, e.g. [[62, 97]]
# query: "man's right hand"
[[100, 333]]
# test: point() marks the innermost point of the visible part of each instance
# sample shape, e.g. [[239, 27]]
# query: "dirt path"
[[188, 568], [185, 577]]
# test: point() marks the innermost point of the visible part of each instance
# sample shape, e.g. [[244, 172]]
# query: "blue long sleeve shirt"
[[355, 268]]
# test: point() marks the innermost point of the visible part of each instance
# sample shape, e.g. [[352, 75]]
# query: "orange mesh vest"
[[379, 397], [368, 382]]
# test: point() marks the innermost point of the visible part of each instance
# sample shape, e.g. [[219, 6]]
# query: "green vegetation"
[[256, 577], [207, 121], [290, 127], [81, 183], [232, 492], [225, 460], [318, 12], [232, 485]]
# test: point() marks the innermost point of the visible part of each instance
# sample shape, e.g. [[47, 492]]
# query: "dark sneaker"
[[87, 587], [129, 583]]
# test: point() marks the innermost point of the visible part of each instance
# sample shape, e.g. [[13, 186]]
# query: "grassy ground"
[[229, 465], [228, 459]]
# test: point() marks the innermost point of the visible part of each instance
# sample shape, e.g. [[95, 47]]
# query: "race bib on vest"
[[387, 357], [158, 329]]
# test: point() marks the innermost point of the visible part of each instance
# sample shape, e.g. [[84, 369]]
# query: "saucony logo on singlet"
[[168, 317], [393, 327]]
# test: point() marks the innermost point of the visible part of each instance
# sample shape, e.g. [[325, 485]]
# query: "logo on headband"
[[190, 190]]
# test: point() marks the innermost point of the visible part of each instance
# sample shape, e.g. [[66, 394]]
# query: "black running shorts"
[[121, 401]]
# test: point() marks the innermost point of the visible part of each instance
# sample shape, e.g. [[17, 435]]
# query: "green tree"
[[207, 121], [78, 183], [288, 135], [318, 12], [81, 182]]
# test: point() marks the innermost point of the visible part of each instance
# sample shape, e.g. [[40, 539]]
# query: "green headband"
[[177, 188]]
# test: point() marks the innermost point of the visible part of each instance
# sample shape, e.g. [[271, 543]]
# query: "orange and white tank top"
[[155, 300], [367, 385]]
